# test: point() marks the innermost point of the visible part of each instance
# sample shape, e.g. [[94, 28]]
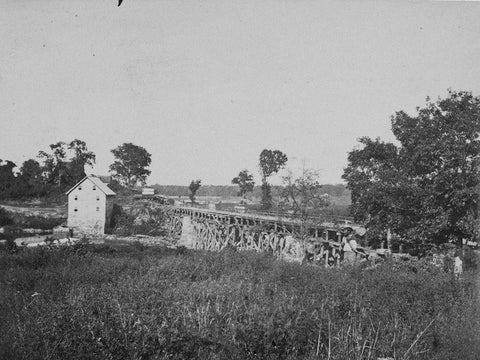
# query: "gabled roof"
[[97, 182]]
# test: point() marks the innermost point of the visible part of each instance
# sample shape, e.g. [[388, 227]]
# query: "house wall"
[[87, 209]]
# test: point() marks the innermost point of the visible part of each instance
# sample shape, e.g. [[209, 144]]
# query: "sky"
[[205, 86]]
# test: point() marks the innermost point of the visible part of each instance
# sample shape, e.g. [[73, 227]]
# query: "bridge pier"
[[209, 230], [187, 238]]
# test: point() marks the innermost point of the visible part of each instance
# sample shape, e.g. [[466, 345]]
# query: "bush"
[[471, 259], [6, 217], [29, 221], [39, 222], [144, 218], [8, 244]]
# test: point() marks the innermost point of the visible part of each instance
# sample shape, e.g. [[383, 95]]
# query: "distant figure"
[[331, 261], [349, 246], [458, 264]]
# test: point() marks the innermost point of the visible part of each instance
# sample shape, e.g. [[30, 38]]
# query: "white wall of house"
[[87, 209]]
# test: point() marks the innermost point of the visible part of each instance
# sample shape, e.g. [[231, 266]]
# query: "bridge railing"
[[339, 221]]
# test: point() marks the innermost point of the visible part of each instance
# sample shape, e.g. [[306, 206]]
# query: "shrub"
[[124, 225], [38, 222], [143, 218], [471, 259], [6, 217], [9, 244]]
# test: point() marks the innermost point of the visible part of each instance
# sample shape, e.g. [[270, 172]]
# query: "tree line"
[[226, 191], [56, 170]]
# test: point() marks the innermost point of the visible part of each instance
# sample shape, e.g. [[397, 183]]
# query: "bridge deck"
[[278, 218]]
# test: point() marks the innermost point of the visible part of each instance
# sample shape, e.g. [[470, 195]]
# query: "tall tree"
[[31, 178], [65, 164], [304, 198], [245, 182], [131, 163], [271, 161], [81, 157], [193, 187], [55, 163], [7, 178], [427, 187]]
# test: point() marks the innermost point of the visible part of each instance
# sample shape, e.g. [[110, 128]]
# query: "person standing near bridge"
[[349, 246]]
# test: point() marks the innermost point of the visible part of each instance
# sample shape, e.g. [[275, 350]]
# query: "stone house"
[[90, 206]]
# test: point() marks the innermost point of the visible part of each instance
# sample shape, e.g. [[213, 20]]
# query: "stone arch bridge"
[[206, 229]]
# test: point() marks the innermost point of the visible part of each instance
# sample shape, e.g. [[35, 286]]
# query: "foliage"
[[117, 188], [31, 179], [271, 161], [137, 302], [224, 191], [193, 188], [6, 217], [60, 168], [143, 218], [65, 164], [19, 220], [8, 244], [29, 182], [6, 177], [425, 189], [130, 165], [38, 222], [267, 198], [304, 195], [471, 260], [245, 182], [81, 157], [304, 199]]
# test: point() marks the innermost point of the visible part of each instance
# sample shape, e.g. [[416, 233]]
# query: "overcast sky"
[[205, 86]]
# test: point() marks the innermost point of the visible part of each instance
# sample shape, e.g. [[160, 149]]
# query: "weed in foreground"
[[97, 302]]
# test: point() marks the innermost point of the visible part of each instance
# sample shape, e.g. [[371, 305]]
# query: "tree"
[[65, 164], [245, 182], [55, 163], [31, 178], [271, 161], [80, 157], [193, 187], [427, 187], [7, 178], [304, 199], [130, 166]]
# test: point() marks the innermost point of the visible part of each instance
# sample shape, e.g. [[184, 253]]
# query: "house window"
[[98, 198], [75, 209], [98, 209], [94, 188], [76, 197], [80, 187]]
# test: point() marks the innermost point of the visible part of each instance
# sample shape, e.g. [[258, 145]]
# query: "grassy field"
[[134, 302]]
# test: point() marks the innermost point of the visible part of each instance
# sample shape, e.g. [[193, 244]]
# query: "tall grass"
[[132, 302]]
